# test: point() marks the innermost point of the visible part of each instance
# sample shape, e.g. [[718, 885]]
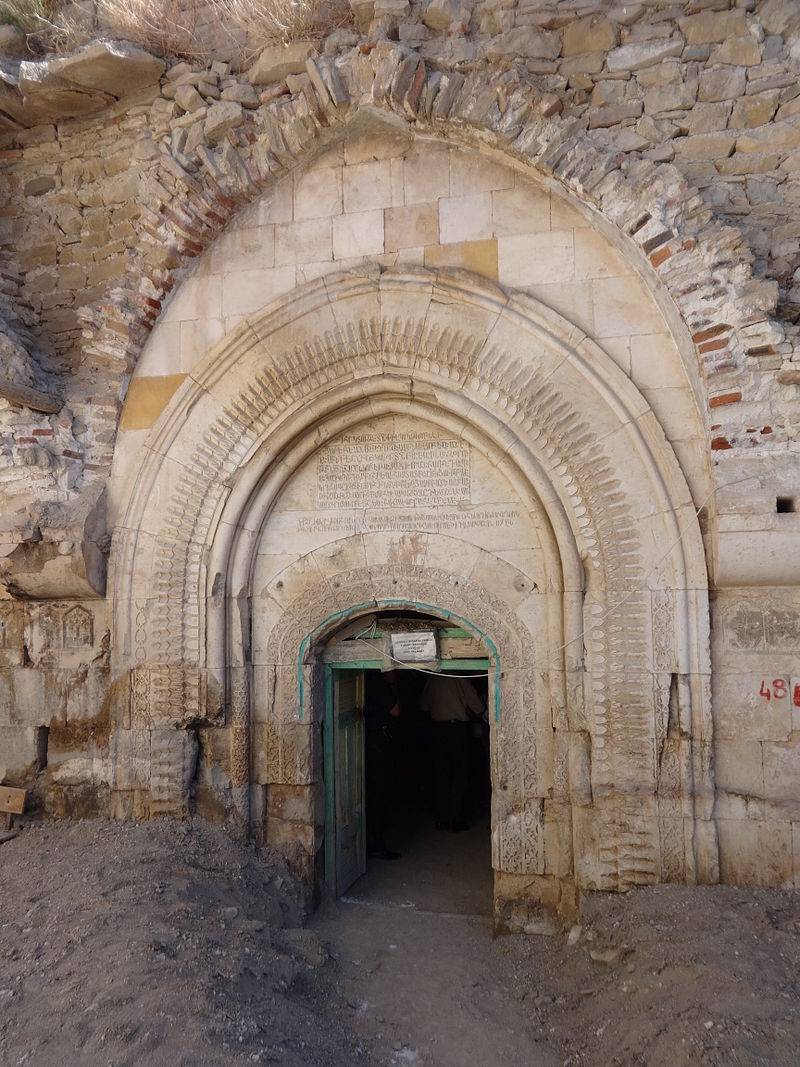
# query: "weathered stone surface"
[[276, 61], [722, 83], [789, 110], [674, 97], [109, 215], [586, 63], [440, 14], [12, 106], [83, 83], [221, 117], [363, 12], [706, 118], [656, 130], [707, 27], [188, 98], [644, 54], [43, 102], [754, 110], [21, 378], [391, 8], [629, 140], [739, 51], [526, 42], [241, 94], [705, 146], [116, 68], [613, 114], [38, 186], [779, 136], [592, 34]]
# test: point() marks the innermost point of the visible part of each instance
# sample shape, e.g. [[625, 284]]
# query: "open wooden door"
[[348, 758]]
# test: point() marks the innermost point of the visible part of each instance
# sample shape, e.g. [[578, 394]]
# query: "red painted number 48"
[[779, 690]]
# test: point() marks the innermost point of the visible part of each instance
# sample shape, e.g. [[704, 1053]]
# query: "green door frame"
[[328, 764], [372, 606]]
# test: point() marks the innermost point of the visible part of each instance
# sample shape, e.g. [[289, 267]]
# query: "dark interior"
[[438, 869], [410, 763]]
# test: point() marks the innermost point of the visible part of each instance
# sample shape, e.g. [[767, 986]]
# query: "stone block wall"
[[382, 198], [706, 88], [634, 167], [756, 650], [56, 702], [76, 191], [708, 85]]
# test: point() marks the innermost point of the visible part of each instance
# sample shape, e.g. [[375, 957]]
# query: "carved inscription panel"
[[393, 468], [399, 475]]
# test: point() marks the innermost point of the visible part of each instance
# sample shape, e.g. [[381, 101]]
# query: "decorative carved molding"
[[186, 201], [520, 786], [566, 425]]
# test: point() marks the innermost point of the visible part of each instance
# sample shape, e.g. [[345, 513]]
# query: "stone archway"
[[520, 724], [622, 663]]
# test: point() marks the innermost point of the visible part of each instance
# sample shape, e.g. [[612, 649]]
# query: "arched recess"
[[623, 678], [699, 269]]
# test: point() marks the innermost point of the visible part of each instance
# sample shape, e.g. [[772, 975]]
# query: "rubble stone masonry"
[[617, 179]]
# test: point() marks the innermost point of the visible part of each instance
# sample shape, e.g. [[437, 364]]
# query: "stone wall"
[[655, 83], [76, 190], [56, 723], [382, 197], [631, 166]]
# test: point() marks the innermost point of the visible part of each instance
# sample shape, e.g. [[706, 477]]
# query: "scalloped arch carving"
[[559, 420], [523, 751]]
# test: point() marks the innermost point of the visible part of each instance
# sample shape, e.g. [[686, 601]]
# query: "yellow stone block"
[[146, 399], [478, 256]]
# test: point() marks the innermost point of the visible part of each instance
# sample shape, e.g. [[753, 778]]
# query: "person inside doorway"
[[382, 707], [453, 706]]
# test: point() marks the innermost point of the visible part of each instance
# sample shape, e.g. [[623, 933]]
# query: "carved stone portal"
[[427, 437]]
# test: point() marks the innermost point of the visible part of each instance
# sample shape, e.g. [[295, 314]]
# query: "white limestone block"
[[358, 234]]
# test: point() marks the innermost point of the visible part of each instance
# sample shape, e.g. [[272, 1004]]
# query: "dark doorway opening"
[[427, 791]]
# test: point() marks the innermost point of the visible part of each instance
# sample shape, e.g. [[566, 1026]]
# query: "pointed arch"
[[622, 642], [698, 269]]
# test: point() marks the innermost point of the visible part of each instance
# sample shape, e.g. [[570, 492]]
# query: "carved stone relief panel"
[[750, 625], [173, 756], [756, 649], [290, 699], [77, 628], [13, 621]]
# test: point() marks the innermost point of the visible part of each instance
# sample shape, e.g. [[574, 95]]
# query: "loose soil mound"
[[661, 977], [157, 943], [695, 976], [166, 944]]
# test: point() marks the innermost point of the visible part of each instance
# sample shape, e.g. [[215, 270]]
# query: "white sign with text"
[[416, 647]]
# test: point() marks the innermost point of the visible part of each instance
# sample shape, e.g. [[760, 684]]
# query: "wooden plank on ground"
[[12, 801], [7, 835]]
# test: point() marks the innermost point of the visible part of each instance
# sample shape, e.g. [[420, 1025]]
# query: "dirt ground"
[[169, 944], [158, 943]]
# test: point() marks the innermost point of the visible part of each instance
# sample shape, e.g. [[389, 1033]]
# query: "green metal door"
[[348, 756]]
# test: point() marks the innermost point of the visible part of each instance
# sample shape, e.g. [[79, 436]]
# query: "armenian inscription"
[[488, 518], [393, 470]]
